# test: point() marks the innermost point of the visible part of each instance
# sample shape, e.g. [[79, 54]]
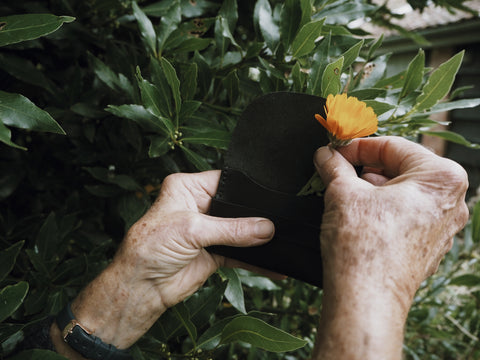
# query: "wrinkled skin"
[[382, 235], [162, 260]]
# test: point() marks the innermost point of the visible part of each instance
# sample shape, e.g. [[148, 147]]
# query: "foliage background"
[[142, 91]]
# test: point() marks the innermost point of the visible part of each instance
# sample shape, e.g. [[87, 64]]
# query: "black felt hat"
[[269, 160]]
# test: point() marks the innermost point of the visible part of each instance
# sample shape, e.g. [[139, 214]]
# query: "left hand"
[[162, 259]]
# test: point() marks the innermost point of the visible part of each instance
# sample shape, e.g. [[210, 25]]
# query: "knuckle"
[[457, 177], [191, 225], [172, 180]]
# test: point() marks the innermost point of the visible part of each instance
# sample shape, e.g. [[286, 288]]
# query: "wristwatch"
[[81, 339]]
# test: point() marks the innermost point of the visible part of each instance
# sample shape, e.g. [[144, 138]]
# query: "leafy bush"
[[139, 91]]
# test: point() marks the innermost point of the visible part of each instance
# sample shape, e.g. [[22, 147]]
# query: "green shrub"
[[140, 91]]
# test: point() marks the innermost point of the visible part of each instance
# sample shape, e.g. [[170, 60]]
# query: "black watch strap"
[[81, 340]]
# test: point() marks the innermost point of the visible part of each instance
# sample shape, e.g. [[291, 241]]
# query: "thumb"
[[230, 231], [331, 165]]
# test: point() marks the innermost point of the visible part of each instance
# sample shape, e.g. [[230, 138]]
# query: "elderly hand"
[[382, 235], [162, 260]]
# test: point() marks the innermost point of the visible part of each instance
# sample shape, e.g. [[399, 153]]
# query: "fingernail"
[[322, 155], [264, 229]]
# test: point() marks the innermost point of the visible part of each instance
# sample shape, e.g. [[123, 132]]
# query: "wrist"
[[360, 321], [118, 307]]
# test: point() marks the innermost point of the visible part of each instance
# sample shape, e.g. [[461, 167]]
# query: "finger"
[[332, 165], [394, 155], [204, 230], [189, 191], [375, 179]]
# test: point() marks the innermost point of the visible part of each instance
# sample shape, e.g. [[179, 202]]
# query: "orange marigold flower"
[[347, 118]]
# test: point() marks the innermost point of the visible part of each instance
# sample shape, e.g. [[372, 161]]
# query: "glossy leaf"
[[159, 145], [266, 23], [146, 29], [234, 290], [6, 137], [198, 161], [210, 339], [260, 334], [379, 107], [160, 81], [374, 47], [48, 238], [229, 12], [414, 74], [189, 107], [124, 181], [24, 70], [331, 78], [453, 137], [451, 105], [351, 54], [298, 78], [11, 297], [231, 83], [172, 79], [469, 280], [291, 17], [367, 94], [18, 28], [375, 72], [16, 110], [9, 330], [183, 315], [142, 117], [109, 77], [188, 82], [320, 61], [8, 258], [439, 83], [304, 42]]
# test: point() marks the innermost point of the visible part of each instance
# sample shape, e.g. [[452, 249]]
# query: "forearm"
[[115, 307], [358, 323]]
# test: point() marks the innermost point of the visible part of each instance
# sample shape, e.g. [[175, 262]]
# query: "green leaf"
[[109, 77], [210, 339], [259, 282], [367, 94], [183, 315], [414, 74], [17, 28], [372, 77], [331, 78], [8, 258], [131, 208], [231, 83], [234, 290], [37, 354], [16, 110], [189, 108], [199, 161], [124, 181], [469, 280], [160, 81], [439, 83], [476, 223], [351, 54], [48, 238], [6, 135], [159, 145], [142, 117], [192, 44], [374, 47], [304, 42], [204, 74], [453, 137], [298, 78], [306, 6], [260, 334], [173, 81], [11, 297], [451, 105], [379, 107], [146, 29], [320, 61], [188, 83], [9, 330], [229, 12], [154, 102], [266, 23], [24, 70], [291, 16]]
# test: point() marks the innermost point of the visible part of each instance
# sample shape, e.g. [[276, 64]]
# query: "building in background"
[[447, 33]]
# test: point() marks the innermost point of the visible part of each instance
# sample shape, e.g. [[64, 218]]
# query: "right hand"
[[381, 236]]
